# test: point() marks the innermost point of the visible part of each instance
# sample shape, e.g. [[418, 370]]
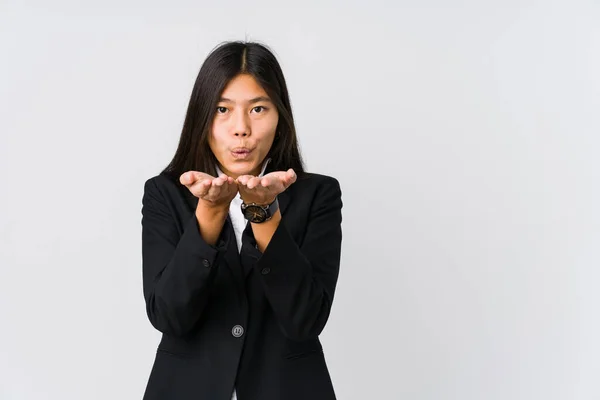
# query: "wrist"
[[207, 208], [261, 202], [259, 213]]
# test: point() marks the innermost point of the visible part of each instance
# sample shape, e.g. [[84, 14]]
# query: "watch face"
[[255, 214]]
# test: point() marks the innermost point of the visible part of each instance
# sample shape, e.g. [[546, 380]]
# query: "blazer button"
[[265, 271], [237, 331], [206, 263]]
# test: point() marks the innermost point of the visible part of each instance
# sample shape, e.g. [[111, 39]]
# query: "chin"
[[240, 169]]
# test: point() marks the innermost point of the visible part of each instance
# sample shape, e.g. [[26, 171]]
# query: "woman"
[[241, 246]]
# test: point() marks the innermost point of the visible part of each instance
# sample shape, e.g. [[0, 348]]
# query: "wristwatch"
[[259, 213]]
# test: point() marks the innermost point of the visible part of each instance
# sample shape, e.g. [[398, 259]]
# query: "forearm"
[[300, 284], [210, 221], [178, 265], [264, 231], [299, 278]]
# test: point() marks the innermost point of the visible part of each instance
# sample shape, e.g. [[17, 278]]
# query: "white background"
[[465, 135]]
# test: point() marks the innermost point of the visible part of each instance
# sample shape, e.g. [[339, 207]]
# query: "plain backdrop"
[[465, 135]]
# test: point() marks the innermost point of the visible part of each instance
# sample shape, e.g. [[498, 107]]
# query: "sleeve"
[[177, 267], [300, 281]]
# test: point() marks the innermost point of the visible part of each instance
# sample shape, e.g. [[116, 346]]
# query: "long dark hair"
[[224, 62]]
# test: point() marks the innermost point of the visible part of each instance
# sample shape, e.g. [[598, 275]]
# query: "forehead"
[[243, 88]]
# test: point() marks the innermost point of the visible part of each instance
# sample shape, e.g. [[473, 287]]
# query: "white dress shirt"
[[239, 222]]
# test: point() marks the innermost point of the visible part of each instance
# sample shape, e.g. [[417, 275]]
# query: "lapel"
[[249, 253], [284, 200]]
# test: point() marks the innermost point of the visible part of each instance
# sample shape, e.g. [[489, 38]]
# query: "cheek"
[[217, 138], [268, 128], [273, 121]]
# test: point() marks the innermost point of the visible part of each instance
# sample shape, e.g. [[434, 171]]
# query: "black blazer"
[[249, 319]]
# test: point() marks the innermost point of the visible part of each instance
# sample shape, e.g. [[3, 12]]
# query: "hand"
[[264, 190], [214, 192]]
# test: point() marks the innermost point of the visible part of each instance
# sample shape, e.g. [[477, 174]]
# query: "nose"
[[241, 126]]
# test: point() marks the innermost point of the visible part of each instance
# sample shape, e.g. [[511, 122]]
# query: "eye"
[[262, 107], [221, 108]]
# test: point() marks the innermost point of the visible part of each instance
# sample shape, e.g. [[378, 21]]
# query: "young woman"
[[241, 246]]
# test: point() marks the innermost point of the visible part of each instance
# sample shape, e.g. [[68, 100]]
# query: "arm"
[[264, 231], [178, 268], [300, 281]]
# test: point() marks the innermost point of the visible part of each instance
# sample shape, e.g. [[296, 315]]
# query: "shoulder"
[[311, 179], [162, 185], [313, 186]]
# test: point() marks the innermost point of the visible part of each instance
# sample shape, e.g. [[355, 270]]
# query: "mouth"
[[241, 152]]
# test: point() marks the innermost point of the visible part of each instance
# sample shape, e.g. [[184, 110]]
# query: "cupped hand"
[[215, 192], [264, 190]]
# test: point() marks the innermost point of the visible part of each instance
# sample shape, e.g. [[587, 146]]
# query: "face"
[[243, 128]]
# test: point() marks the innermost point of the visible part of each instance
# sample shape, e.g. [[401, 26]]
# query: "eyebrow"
[[251, 101]]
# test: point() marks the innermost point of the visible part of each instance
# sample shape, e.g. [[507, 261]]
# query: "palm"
[[216, 191], [263, 190]]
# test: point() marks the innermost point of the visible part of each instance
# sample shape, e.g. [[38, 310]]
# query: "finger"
[[282, 177], [265, 181], [204, 187], [242, 179], [227, 183], [226, 178], [214, 192], [247, 180], [219, 181], [196, 176], [290, 177], [186, 178], [253, 183], [223, 190]]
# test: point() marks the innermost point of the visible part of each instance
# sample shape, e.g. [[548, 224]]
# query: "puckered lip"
[[242, 150]]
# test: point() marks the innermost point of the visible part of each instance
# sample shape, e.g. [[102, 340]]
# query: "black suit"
[[243, 318]]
